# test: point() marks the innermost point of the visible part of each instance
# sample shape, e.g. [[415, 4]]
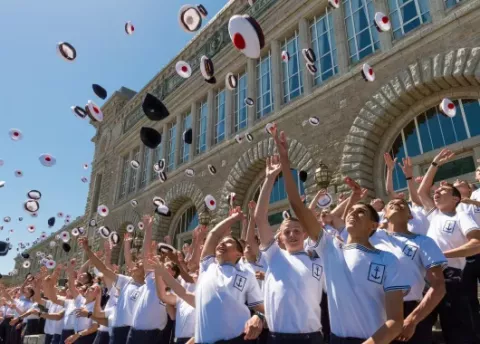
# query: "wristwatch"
[[89, 315]]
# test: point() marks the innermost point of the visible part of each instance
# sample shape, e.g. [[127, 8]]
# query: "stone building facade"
[[432, 52]]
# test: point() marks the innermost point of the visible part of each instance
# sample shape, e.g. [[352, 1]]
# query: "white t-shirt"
[[53, 326], [476, 210], [150, 312], [419, 223], [185, 315], [7, 311], [129, 293], [357, 279], [69, 316], [110, 305], [83, 323], [223, 296], [450, 231], [415, 253], [24, 305], [293, 291], [254, 267]]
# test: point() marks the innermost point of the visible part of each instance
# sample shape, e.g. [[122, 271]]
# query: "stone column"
[[304, 43], [194, 112], [164, 142], [276, 74], [129, 172], [251, 90], [386, 40], [178, 140], [140, 160], [228, 114], [437, 10], [210, 117], [339, 30]]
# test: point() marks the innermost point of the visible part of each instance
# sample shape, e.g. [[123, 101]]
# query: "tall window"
[[292, 70], [202, 128], [185, 150], [146, 163], [96, 192], [188, 222], [124, 181], [264, 85], [158, 153], [323, 43], [172, 136], [361, 32], [432, 130], [134, 173], [407, 15], [240, 109], [451, 3], [220, 117]]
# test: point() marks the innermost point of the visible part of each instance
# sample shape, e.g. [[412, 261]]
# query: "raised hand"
[[83, 242], [389, 161], [251, 207], [281, 143], [274, 167], [167, 240], [127, 238], [407, 167], [443, 157], [147, 220]]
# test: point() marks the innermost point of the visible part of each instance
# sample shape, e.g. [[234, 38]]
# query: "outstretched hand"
[[274, 167]]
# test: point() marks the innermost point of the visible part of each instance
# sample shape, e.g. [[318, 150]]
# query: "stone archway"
[[448, 74], [252, 163]]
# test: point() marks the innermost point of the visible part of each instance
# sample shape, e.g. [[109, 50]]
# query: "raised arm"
[[108, 273], [407, 169], [250, 235], [393, 326], [52, 316], [390, 164], [84, 267], [147, 237], [127, 250], [71, 278], [356, 195]]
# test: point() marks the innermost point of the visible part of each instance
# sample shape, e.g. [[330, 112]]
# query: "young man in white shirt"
[[226, 291], [364, 285], [419, 256], [293, 284], [458, 236]]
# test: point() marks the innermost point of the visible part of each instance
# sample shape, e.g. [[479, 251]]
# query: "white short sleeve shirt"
[[128, 295], [185, 315], [419, 223], [69, 316], [476, 210], [357, 279], [293, 290], [83, 323], [450, 231], [53, 326], [223, 296], [415, 253]]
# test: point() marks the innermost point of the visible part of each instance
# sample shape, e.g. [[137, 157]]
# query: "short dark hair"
[[455, 192], [176, 270], [238, 245], [373, 213], [90, 277]]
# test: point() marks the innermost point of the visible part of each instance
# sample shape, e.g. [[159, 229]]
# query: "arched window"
[[432, 130], [188, 221], [278, 197]]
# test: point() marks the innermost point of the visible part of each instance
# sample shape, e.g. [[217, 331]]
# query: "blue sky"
[[37, 89]]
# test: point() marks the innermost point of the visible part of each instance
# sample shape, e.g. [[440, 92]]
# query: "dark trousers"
[[119, 335], [16, 334], [5, 330], [32, 327], [103, 337], [56, 339], [339, 340], [237, 340], [144, 336], [168, 332], [454, 310], [263, 337], [182, 340], [66, 334], [297, 338], [471, 278], [48, 338], [86, 339], [324, 318], [423, 332]]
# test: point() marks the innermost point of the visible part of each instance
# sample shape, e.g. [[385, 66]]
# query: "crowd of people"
[[359, 273]]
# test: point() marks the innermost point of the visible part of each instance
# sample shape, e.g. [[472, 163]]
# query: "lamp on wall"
[[204, 217], [323, 175]]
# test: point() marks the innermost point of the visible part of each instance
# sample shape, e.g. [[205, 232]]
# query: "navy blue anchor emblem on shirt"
[[449, 226], [410, 251], [134, 295], [375, 273], [317, 271], [239, 282]]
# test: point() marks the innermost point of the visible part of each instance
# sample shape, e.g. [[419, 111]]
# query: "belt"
[[295, 335]]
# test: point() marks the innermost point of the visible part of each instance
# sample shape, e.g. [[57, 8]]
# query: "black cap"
[[51, 221], [303, 176], [188, 136], [150, 137], [99, 91], [66, 247], [4, 247], [25, 255], [154, 108]]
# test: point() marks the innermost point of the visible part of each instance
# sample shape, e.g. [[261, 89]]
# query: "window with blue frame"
[[146, 163], [220, 117], [432, 130], [202, 128], [452, 3], [185, 148], [292, 70], [406, 15], [172, 136], [188, 221], [362, 35], [240, 113], [134, 173], [278, 192], [324, 46], [264, 86]]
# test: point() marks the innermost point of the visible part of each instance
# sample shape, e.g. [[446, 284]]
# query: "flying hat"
[[188, 136], [79, 111], [85, 166], [39, 253], [84, 180], [231, 199], [51, 264], [246, 35], [67, 221], [238, 138], [34, 194], [129, 28], [382, 23], [43, 236], [159, 166], [231, 81], [140, 225], [134, 203], [311, 68], [150, 137], [51, 222], [66, 247], [94, 112], [165, 248], [153, 108], [99, 91], [31, 228], [6, 219], [303, 175], [130, 228], [448, 107], [285, 56], [26, 264], [102, 210], [314, 120], [92, 223], [203, 11], [249, 102], [286, 215], [334, 4], [20, 218], [309, 55], [325, 201], [75, 232], [114, 238], [163, 210], [60, 214], [2, 183], [212, 169], [15, 134], [183, 69], [368, 73], [104, 232], [18, 173], [268, 128], [249, 137], [65, 236], [52, 244], [49, 256], [66, 51], [190, 172], [206, 68], [47, 160], [210, 202], [163, 176], [134, 164], [157, 201], [190, 18], [25, 255], [81, 230], [31, 206]]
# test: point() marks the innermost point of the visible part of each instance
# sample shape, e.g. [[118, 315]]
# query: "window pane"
[[240, 109], [455, 168], [188, 221], [434, 127], [398, 151], [323, 43], [172, 134], [411, 139], [471, 107], [220, 117], [146, 163], [185, 148], [264, 82], [425, 135], [292, 70], [202, 128], [134, 172], [407, 15], [123, 183]]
